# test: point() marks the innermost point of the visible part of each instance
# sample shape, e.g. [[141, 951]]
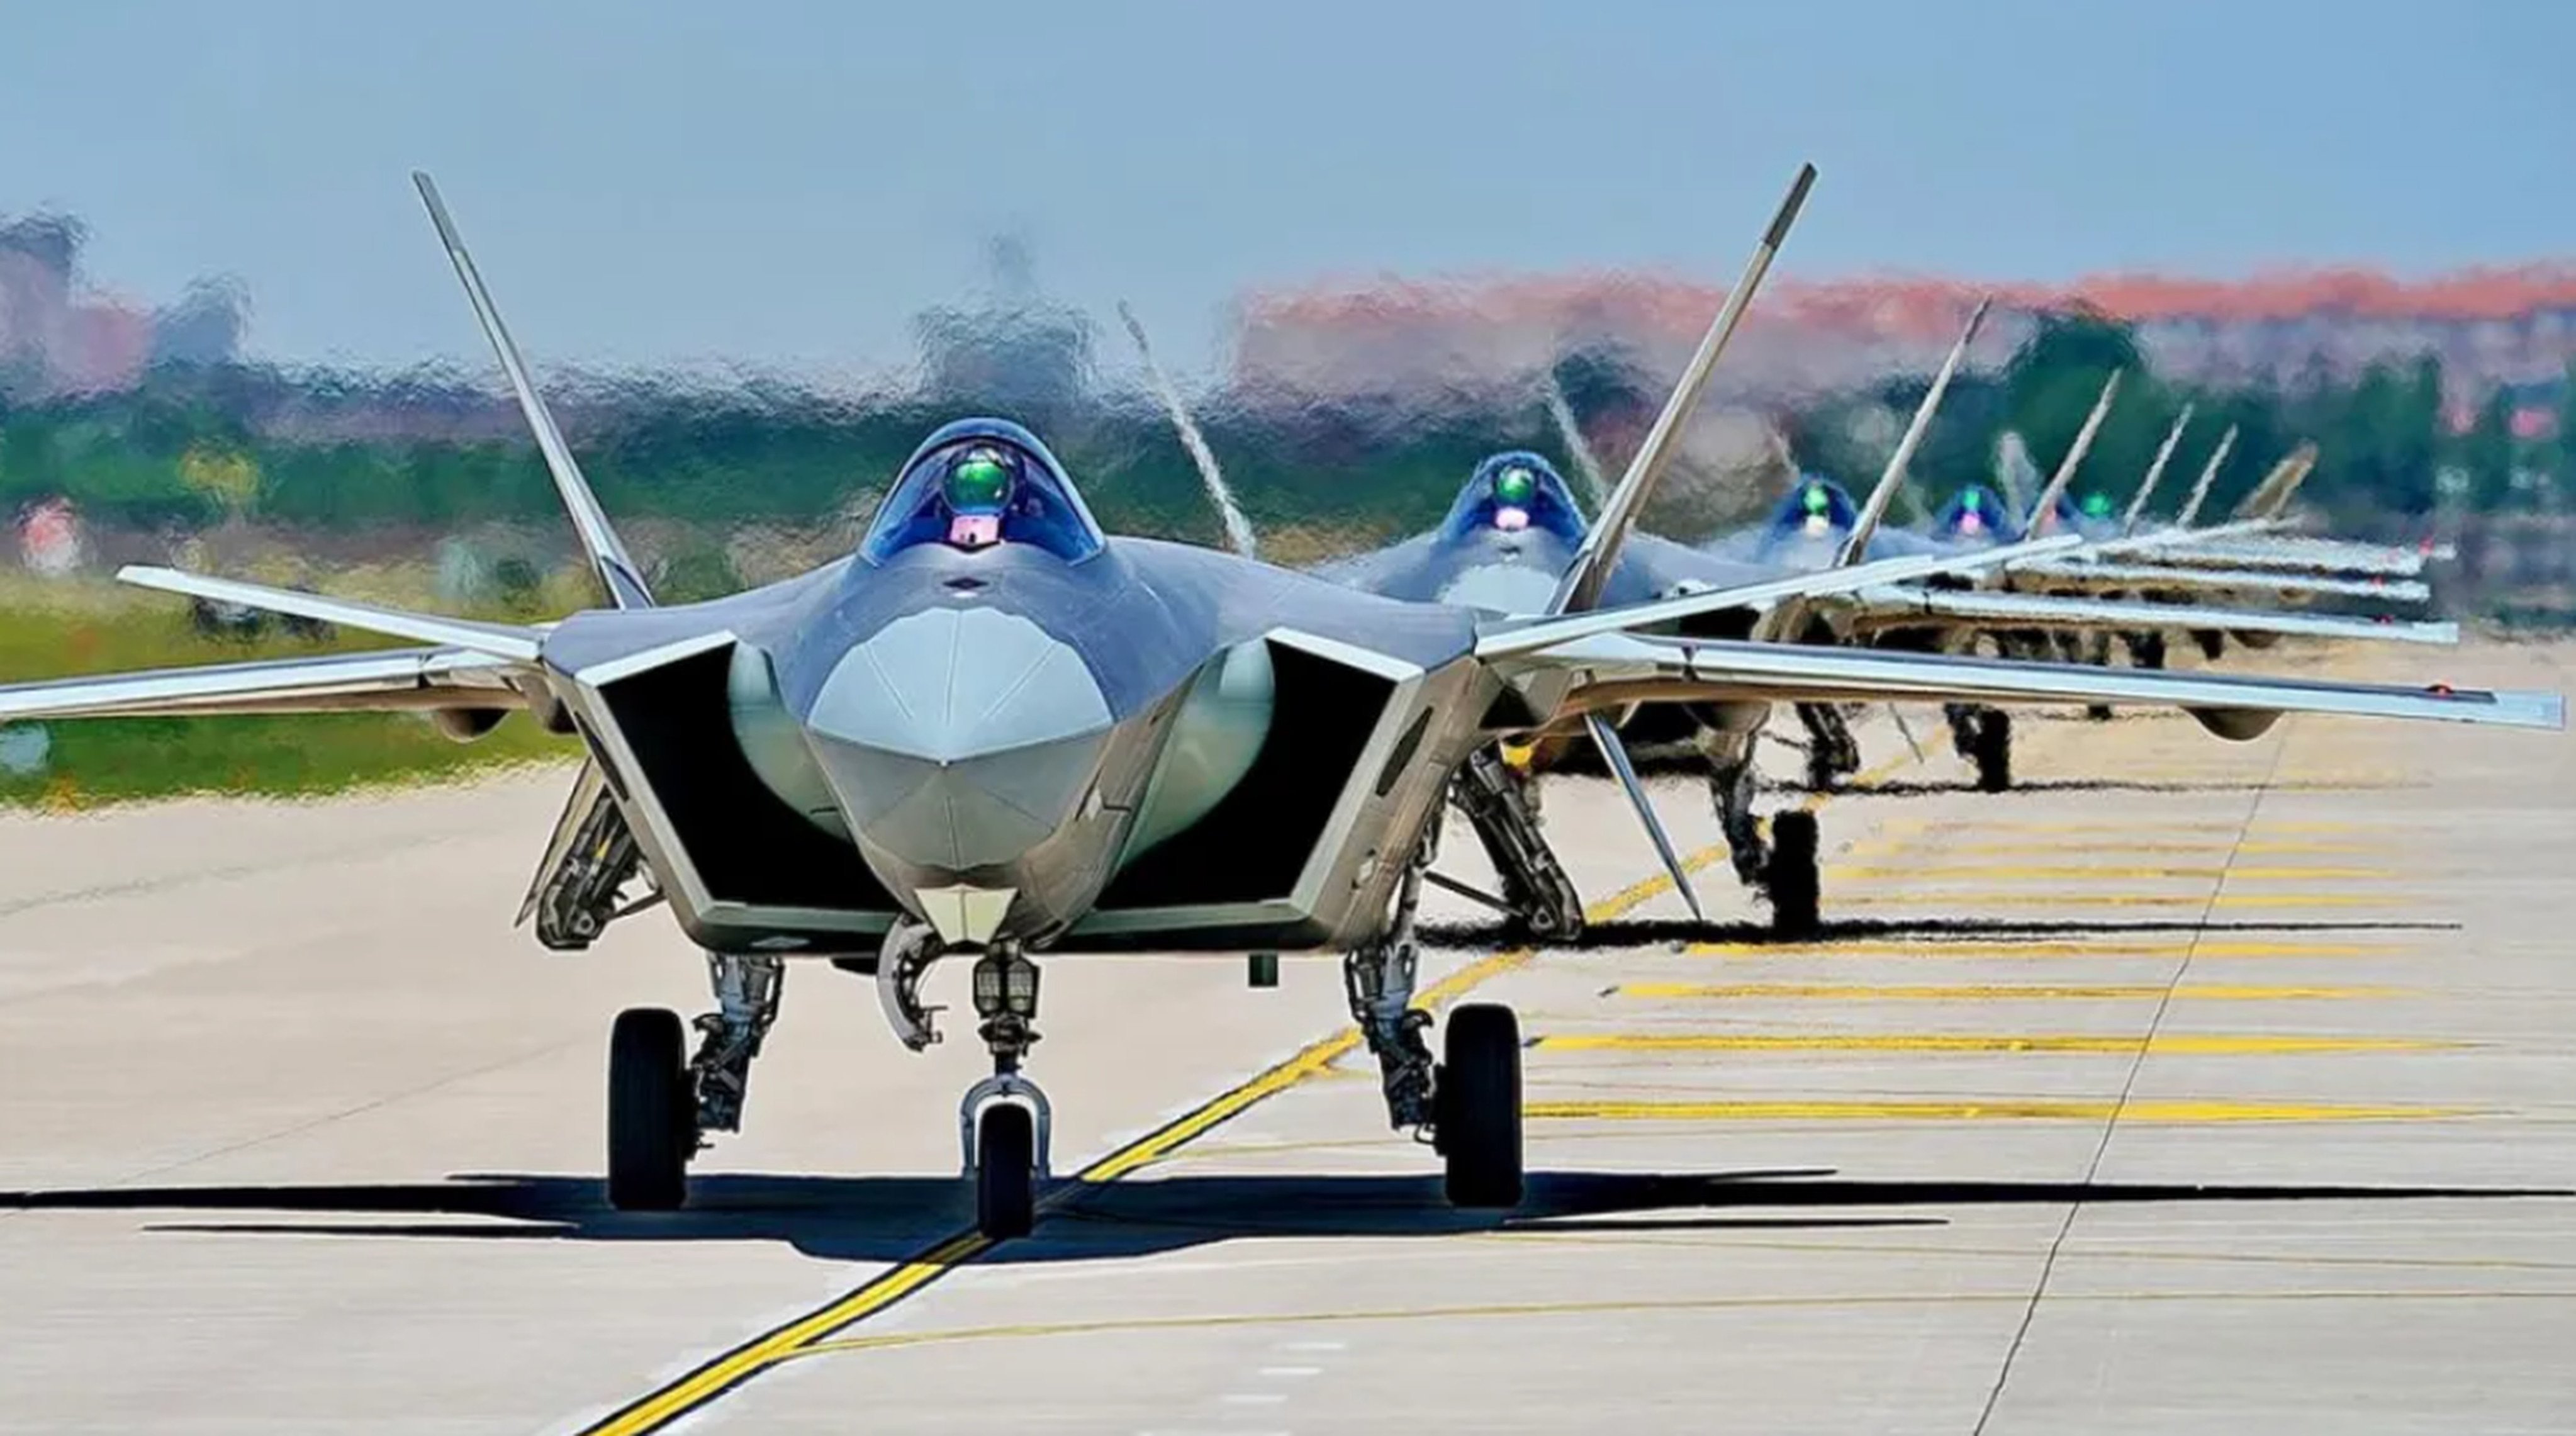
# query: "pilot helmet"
[[977, 488], [1819, 508], [1514, 490]]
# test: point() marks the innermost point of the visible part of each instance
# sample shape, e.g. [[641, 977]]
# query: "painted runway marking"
[[2170, 1043], [1980, 950], [1954, 899], [2080, 872], [1986, 992], [816, 1329], [2002, 1109]]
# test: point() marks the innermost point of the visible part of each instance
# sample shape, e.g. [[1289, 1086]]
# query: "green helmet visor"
[[1515, 487], [2097, 505], [1816, 500], [979, 484]]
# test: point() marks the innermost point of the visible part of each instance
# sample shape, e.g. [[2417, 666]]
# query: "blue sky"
[[789, 181]]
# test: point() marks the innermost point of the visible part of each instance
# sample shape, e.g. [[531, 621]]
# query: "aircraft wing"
[[1528, 636], [1616, 669], [496, 640], [2128, 578], [388, 680], [1889, 606], [2301, 554]]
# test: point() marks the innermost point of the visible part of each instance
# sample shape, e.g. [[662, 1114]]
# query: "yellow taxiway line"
[[713, 1378], [1976, 899], [1989, 991], [2012, 1109], [1934, 947], [1980, 1109], [2162, 1043]]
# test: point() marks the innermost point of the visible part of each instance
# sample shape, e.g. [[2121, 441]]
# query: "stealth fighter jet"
[[994, 732]]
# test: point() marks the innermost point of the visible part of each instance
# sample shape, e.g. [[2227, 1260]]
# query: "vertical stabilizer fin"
[[608, 556], [1238, 528], [2208, 476], [2155, 471], [1586, 462], [2043, 510], [1873, 512], [1580, 589]]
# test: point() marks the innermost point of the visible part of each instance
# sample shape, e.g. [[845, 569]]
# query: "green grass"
[[66, 630]]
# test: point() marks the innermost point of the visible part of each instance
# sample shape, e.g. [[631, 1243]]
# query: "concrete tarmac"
[[2191, 1086]]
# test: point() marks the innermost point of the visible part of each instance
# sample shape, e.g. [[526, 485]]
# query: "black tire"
[[1994, 751], [652, 1111], [1006, 1159], [1479, 1096], [1791, 880]]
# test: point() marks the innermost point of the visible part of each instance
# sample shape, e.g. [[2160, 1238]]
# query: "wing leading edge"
[[1621, 668], [398, 680]]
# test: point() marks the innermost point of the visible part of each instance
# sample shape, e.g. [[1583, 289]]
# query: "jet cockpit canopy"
[[977, 483], [1514, 492]]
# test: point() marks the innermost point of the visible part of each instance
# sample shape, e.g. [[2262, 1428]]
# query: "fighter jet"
[[1505, 545], [995, 732]]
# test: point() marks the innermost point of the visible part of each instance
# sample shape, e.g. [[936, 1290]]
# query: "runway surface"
[[2193, 1086]]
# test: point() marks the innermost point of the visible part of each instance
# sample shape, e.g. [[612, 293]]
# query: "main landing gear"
[[1983, 736], [1783, 867], [662, 1101], [1501, 805], [1004, 1124], [1832, 753], [1468, 1103]]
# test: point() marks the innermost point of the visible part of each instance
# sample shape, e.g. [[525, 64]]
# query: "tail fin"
[[2273, 495], [1865, 527], [2155, 471], [2208, 476], [608, 557], [1562, 413], [2043, 510], [1580, 589], [1238, 529]]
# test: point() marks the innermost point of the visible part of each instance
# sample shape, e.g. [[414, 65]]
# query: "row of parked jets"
[[994, 732]]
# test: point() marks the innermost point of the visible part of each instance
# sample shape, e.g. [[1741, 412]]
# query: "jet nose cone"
[[959, 738], [1501, 588]]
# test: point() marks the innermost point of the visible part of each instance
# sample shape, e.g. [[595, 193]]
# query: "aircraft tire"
[[1006, 1188], [1994, 751], [652, 1111], [1791, 878], [1479, 1096]]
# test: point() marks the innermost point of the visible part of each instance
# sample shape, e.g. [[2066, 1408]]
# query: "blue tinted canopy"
[[980, 482], [1514, 491], [1818, 500], [1976, 512]]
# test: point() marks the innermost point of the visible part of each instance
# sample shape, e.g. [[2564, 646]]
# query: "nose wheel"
[[1007, 1170]]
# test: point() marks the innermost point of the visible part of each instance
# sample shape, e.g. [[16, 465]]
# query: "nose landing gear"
[[1004, 1123]]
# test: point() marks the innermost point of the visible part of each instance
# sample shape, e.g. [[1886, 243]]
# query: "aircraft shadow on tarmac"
[[890, 1219], [1932, 932]]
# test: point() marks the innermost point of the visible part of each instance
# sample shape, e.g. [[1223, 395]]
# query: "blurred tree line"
[[193, 446]]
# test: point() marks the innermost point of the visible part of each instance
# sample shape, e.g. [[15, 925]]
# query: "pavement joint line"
[[894, 1340], [721, 1374], [2127, 1099]]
